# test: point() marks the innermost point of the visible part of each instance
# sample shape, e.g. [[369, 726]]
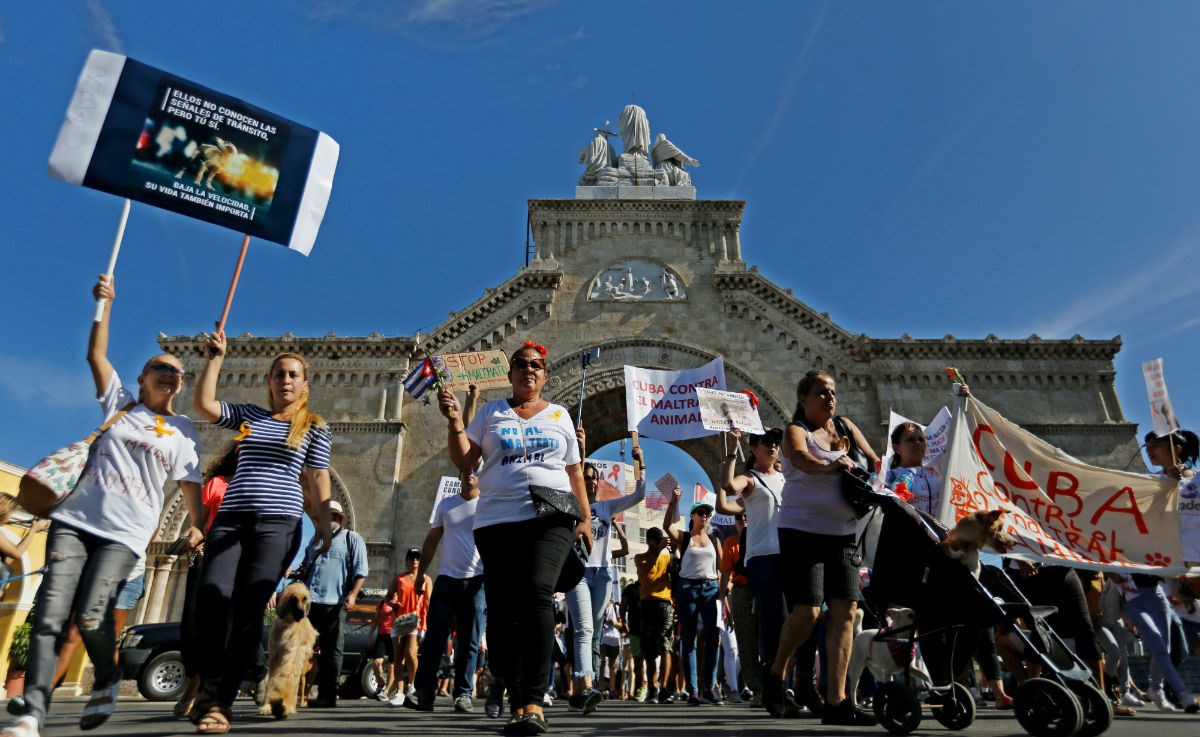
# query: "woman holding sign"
[[532, 507], [816, 542], [257, 531], [101, 529]]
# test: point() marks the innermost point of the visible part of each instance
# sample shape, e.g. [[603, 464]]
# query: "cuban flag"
[[421, 378]]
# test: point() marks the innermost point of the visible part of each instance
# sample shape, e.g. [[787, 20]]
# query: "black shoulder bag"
[[856, 483]]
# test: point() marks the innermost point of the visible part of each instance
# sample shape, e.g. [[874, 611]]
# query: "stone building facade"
[[659, 283]]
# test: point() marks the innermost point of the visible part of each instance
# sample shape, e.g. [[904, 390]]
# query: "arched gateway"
[[657, 279]]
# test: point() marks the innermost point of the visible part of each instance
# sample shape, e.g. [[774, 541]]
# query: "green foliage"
[[18, 651]]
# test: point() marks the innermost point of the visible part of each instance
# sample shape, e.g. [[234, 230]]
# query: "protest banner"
[[1189, 519], [663, 404], [1162, 416], [657, 498], [1059, 509], [723, 411], [138, 132], [447, 486], [484, 369]]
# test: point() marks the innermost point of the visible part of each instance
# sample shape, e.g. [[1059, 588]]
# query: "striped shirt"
[[267, 480]]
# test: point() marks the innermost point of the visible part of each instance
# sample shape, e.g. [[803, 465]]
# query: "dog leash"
[[39, 571]]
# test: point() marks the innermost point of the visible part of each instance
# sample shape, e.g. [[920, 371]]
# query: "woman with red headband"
[[530, 454]]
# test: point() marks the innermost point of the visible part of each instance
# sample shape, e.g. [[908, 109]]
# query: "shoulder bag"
[[856, 483], [53, 478]]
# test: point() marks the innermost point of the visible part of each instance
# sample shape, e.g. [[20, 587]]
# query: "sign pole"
[[237, 272], [112, 258], [584, 361]]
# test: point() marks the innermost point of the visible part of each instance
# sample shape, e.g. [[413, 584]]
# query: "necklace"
[[526, 404]]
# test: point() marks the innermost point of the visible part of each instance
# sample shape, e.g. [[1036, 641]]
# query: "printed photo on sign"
[[208, 153], [612, 481], [726, 410], [1162, 415]]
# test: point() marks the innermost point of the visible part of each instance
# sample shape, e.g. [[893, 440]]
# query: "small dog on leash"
[[975, 532], [885, 659], [289, 652]]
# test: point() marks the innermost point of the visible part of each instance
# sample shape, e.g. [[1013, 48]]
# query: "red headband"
[[541, 349]]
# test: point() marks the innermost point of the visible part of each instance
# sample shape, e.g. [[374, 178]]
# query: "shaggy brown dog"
[[289, 651], [974, 532]]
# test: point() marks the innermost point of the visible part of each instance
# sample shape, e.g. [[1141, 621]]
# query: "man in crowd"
[[334, 578]]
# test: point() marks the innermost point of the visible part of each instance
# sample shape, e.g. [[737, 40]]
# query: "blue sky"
[[921, 167]]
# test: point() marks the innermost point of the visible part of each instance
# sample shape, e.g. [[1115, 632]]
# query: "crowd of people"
[[527, 604]]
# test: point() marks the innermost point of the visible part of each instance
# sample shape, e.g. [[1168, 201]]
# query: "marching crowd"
[[527, 604]]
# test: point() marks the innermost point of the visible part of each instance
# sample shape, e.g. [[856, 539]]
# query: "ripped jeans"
[[82, 575]]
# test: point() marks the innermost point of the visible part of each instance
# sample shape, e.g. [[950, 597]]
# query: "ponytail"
[[301, 419]]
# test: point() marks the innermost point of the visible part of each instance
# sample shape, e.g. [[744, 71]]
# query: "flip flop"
[[100, 706], [216, 721]]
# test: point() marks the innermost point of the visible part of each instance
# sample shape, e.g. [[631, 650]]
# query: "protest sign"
[[663, 405], [1060, 510], [484, 369], [723, 411], [663, 489], [447, 486], [138, 132], [613, 475], [1189, 519], [1162, 416]]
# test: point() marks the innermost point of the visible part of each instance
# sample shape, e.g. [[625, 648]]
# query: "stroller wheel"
[[1097, 709], [1047, 709], [897, 708], [955, 709]]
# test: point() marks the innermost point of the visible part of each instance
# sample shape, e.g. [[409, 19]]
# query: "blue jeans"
[[82, 575], [586, 604], [454, 601], [696, 599], [1150, 611]]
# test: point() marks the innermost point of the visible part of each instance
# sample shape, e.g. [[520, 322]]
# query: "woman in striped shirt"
[[257, 530]]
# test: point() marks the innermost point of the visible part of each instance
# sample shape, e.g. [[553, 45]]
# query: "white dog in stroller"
[[887, 654]]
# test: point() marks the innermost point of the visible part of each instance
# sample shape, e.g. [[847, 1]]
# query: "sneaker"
[[712, 696], [422, 701], [591, 700], [381, 695], [640, 694], [693, 699], [652, 695], [495, 701], [748, 694], [808, 697], [16, 705], [734, 697], [396, 699], [1160, 700], [547, 701], [463, 704], [846, 714], [666, 697], [1128, 699], [1192, 708], [772, 696]]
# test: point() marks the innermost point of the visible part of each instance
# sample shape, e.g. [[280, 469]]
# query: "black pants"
[[245, 556], [190, 645], [330, 622], [521, 563]]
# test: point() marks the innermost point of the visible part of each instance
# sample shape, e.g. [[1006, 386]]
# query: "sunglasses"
[[702, 514], [165, 368], [590, 479], [536, 364]]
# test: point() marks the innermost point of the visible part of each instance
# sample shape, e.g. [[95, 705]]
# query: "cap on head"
[[771, 435], [704, 507], [413, 554], [335, 507]]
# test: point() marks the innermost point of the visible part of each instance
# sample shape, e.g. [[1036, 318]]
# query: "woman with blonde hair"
[[257, 531], [8, 548]]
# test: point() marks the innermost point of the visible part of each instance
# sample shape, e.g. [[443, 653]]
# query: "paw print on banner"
[[1157, 559]]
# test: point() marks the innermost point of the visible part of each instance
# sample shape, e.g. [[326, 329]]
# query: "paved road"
[[628, 719]]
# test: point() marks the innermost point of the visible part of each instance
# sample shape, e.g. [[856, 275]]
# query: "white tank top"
[[699, 562], [813, 502], [762, 514]]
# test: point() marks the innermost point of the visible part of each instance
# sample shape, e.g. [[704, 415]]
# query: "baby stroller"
[[951, 610]]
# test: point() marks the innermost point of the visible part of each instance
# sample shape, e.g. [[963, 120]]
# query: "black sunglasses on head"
[[536, 364]]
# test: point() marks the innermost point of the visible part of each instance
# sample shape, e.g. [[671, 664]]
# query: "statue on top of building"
[[634, 168]]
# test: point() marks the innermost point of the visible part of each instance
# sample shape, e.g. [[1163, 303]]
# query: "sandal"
[[216, 721], [203, 701], [100, 706], [183, 707], [26, 726]]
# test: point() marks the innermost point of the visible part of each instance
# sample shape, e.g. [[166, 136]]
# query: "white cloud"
[[791, 83], [46, 384], [466, 17], [104, 27], [1155, 284]]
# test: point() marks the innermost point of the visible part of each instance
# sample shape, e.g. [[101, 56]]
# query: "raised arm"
[[205, 402], [464, 453], [622, 551], [671, 518], [97, 354]]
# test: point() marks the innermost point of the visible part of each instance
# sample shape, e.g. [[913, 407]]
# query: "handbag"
[[856, 483], [405, 624], [44, 486], [573, 567], [548, 501]]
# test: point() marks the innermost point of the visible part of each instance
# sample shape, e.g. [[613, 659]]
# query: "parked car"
[[150, 654]]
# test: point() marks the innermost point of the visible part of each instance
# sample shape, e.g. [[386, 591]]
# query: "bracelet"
[[731, 457], [459, 431]]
